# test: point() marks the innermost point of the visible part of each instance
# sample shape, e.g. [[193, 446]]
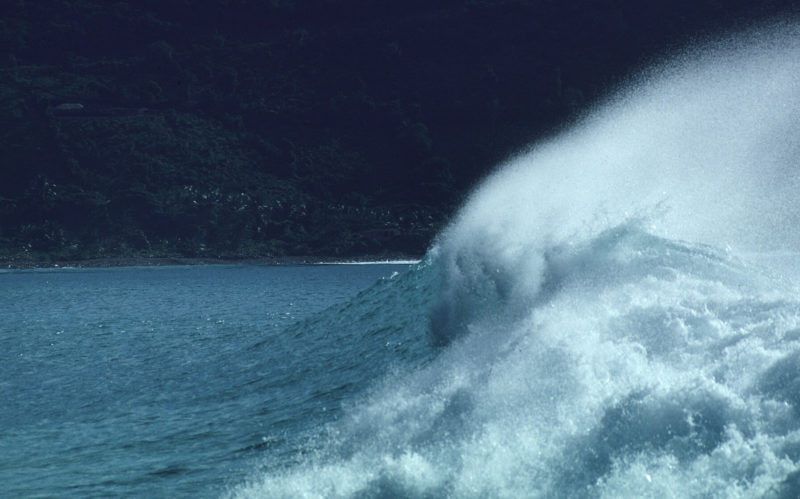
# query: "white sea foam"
[[606, 324]]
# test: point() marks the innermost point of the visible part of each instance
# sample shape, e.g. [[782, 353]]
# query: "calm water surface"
[[159, 381]]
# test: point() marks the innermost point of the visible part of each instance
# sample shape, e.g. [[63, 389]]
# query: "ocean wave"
[[642, 366], [597, 321]]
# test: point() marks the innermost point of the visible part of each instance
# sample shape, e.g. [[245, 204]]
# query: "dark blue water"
[[165, 381]]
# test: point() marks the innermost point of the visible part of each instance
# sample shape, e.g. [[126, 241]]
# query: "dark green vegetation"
[[246, 128]]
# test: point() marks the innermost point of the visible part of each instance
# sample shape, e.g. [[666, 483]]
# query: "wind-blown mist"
[[711, 137], [605, 316]]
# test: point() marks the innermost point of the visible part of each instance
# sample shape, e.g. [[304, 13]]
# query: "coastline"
[[14, 264]]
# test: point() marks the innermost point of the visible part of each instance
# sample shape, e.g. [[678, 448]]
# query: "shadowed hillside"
[[248, 128]]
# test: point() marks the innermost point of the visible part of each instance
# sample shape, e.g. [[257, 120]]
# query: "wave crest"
[[596, 330]]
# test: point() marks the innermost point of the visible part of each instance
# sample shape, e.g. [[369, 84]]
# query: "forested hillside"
[[248, 128]]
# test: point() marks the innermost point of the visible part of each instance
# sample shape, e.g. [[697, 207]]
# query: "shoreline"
[[8, 264]]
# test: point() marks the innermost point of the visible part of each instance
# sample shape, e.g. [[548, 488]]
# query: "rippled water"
[[161, 381]]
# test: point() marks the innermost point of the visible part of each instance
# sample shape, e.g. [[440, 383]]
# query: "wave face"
[[607, 316]]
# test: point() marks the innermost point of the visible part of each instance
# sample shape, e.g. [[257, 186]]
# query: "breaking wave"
[[614, 313]]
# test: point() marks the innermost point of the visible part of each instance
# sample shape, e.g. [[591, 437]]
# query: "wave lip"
[[603, 318]]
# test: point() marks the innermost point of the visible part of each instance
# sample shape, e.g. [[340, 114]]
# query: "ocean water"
[[166, 381], [614, 313]]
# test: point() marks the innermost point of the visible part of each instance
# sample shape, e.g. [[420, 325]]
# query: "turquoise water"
[[164, 381]]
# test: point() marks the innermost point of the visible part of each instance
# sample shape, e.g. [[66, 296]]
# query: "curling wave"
[[603, 318]]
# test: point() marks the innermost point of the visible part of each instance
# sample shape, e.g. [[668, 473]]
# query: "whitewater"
[[614, 313]]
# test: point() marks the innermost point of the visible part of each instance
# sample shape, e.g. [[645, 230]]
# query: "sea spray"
[[600, 320]]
